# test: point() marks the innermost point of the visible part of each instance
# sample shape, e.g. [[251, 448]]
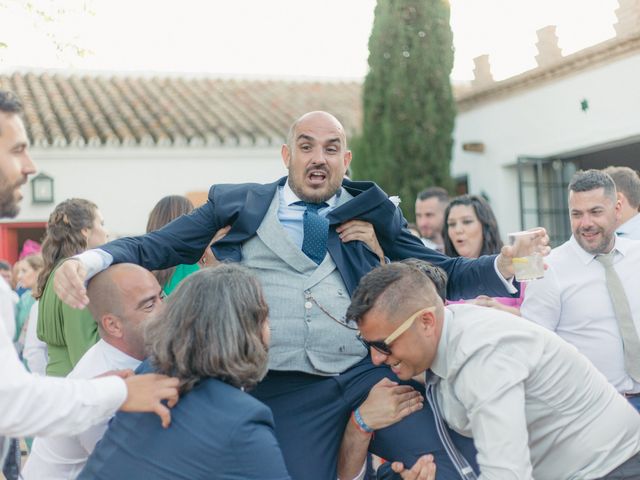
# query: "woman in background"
[[471, 230], [74, 226], [165, 211], [30, 268]]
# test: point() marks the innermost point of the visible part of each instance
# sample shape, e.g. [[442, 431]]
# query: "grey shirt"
[[535, 407]]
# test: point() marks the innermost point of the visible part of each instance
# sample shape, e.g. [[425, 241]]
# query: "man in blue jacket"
[[289, 234]]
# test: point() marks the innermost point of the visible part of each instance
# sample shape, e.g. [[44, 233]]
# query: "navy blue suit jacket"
[[244, 206], [217, 432]]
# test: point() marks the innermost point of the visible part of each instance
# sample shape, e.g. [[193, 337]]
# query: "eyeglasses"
[[384, 346]]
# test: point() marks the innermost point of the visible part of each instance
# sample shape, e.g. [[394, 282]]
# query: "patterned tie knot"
[[314, 207]]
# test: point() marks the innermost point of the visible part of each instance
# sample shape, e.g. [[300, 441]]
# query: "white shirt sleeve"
[[8, 308], [31, 405], [542, 303], [35, 350], [94, 260], [508, 284]]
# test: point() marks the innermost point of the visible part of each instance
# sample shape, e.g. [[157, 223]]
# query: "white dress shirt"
[[631, 228], [572, 300], [35, 350], [31, 405], [8, 301], [63, 458], [536, 408]]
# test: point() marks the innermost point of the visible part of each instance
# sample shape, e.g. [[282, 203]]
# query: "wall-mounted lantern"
[[42, 188]]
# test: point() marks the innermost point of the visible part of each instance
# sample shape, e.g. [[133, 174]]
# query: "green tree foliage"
[[408, 113]]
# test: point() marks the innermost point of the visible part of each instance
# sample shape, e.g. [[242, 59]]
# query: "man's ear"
[[286, 154], [427, 320], [112, 325]]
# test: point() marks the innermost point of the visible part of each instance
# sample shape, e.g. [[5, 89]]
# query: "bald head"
[[315, 117], [121, 298], [108, 288]]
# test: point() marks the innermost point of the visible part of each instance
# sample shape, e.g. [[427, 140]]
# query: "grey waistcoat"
[[303, 337]]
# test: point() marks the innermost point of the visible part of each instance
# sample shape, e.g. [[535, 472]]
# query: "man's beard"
[[9, 207]]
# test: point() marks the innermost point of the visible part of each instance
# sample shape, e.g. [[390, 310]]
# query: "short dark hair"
[[9, 102], [438, 192], [491, 241], [394, 288], [436, 274], [592, 179], [211, 326], [627, 182]]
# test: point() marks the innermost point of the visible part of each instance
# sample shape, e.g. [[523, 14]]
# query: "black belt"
[[632, 394]]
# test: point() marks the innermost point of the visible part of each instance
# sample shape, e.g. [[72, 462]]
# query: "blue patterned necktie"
[[316, 231]]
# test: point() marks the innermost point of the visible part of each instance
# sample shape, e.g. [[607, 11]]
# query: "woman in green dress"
[[74, 226], [166, 210]]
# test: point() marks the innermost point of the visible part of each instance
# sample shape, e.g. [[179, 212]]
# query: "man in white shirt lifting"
[[535, 407], [122, 297]]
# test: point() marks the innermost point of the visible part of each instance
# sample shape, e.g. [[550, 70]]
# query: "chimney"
[[482, 72], [548, 50], [628, 14]]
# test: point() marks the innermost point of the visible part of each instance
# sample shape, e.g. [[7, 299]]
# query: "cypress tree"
[[408, 106]]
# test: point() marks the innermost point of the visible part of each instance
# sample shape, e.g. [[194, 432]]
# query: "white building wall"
[[127, 183], [544, 121]]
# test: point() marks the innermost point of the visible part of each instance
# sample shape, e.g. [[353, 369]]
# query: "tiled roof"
[[93, 110]]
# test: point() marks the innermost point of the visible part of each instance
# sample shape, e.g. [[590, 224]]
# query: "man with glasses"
[[535, 407]]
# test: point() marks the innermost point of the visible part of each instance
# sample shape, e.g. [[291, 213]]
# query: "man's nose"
[[28, 166], [377, 357]]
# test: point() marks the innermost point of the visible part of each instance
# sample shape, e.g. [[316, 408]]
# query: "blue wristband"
[[360, 422]]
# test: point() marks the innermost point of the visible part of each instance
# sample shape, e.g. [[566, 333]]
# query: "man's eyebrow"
[[304, 136], [142, 302], [335, 140]]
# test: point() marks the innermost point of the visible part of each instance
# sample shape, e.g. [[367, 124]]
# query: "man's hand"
[[208, 259], [388, 403], [423, 469], [539, 244], [68, 283], [363, 231], [145, 392]]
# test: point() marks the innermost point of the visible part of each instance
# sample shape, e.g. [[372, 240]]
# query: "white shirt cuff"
[[508, 284], [95, 261]]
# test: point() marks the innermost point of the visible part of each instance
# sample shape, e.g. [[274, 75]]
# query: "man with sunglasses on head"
[[535, 407], [294, 234]]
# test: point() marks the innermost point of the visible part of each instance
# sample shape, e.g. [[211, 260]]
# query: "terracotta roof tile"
[[90, 111]]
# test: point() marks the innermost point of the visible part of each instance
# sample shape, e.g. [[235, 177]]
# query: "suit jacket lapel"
[[366, 196]]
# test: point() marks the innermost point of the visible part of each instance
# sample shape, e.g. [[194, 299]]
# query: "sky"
[[273, 38]]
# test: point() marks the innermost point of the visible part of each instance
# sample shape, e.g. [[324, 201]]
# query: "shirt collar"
[[439, 365], [621, 245], [290, 197], [119, 360], [628, 226]]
